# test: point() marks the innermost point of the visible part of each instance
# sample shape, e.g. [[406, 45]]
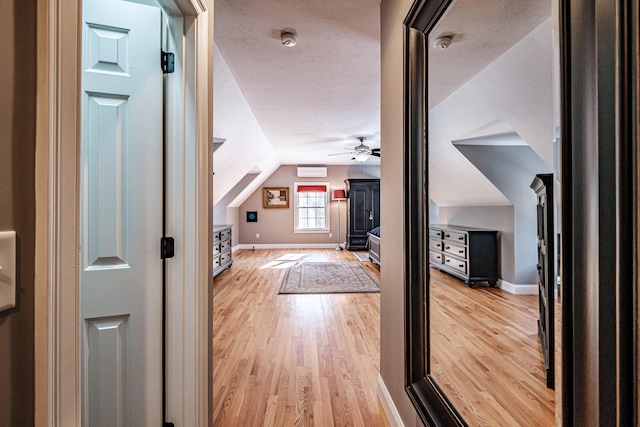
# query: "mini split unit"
[[312, 172]]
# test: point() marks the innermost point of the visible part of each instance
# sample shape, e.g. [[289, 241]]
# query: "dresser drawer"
[[455, 237], [435, 234], [436, 256], [225, 245], [435, 244], [456, 263], [222, 246], [457, 250], [225, 258], [225, 234]]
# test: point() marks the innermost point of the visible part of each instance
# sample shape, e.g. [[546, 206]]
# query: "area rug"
[[327, 277], [362, 256]]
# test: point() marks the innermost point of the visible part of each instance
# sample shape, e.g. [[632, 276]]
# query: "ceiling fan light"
[[362, 156]]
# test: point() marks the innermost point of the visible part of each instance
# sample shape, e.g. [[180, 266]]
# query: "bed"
[[374, 245]]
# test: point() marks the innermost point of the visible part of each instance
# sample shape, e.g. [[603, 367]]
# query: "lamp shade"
[[338, 195]]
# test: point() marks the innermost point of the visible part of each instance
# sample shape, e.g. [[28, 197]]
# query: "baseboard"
[[517, 289], [390, 410], [283, 246]]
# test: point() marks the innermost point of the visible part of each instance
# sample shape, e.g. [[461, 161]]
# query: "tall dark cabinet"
[[543, 186], [363, 211]]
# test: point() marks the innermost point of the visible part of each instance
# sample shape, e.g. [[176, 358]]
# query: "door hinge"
[[167, 60], [166, 247]]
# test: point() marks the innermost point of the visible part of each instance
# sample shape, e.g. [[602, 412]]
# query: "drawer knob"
[[460, 252], [461, 265]]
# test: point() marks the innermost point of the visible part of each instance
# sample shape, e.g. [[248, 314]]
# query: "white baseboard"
[[283, 246], [517, 289], [390, 410]]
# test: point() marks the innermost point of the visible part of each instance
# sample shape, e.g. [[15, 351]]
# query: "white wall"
[[517, 89], [246, 148]]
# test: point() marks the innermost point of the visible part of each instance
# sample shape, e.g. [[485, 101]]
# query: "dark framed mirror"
[[589, 151]]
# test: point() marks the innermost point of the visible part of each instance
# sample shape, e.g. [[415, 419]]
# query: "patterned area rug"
[[327, 277]]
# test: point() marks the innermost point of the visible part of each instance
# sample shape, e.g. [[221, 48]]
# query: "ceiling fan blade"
[[376, 154], [338, 154], [375, 150]]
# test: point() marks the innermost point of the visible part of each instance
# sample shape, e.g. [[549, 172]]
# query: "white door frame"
[[57, 319]]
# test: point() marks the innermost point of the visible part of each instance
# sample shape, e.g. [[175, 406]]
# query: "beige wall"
[[275, 226], [17, 204], [392, 330]]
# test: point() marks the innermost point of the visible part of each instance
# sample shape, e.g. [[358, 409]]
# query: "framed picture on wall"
[[275, 197]]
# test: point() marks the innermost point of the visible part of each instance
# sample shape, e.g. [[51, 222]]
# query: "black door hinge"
[[167, 60], [166, 247]]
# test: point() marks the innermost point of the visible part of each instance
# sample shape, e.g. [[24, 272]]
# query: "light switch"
[[7, 270]]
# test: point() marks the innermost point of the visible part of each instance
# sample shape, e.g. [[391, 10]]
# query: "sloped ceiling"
[[309, 101], [246, 148], [313, 99], [514, 93]]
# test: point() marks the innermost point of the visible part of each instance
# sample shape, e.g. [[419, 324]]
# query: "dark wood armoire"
[[543, 186], [363, 211]]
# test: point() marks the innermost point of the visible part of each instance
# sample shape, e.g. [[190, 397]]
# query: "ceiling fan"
[[361, 152]]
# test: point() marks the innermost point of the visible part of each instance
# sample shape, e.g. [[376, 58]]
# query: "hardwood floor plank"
[[313, 360], [288, 360], [486, 354]]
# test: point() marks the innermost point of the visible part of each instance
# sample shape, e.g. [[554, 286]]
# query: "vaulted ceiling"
[[314, 98]]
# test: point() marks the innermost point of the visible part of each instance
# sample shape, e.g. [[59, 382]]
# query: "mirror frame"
[[599, 195]]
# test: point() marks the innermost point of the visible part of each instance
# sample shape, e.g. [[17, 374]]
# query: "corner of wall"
[[390, 410]]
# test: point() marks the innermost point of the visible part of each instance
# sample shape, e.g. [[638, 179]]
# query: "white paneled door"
[[121, 215]]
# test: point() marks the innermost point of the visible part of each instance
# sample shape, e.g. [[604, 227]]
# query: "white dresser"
[[221, 248]]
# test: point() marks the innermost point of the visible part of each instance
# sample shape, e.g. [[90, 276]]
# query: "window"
[[311, 202]]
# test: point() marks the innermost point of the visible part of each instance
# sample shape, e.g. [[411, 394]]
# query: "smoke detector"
[[288, 39], [442, 42]]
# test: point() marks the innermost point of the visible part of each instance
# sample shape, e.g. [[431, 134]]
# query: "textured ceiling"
[[482, 31], [312, 99]]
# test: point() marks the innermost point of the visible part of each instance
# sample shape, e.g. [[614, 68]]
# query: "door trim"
[[57, 321]]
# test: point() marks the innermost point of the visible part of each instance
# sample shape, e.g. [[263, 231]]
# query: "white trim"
[[523, 289], [57, 325], [283, 246], [390, 410], [327, 207], [188, 183]]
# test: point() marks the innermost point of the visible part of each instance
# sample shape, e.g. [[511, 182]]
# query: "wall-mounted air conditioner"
[[312, 171]]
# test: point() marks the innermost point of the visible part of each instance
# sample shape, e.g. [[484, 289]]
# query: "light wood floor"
[[313, 360], [486, 354], [293, 360]]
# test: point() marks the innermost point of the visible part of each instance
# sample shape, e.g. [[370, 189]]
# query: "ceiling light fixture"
[[442, 42], [288, 39], [361, 156], [362, 152]]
